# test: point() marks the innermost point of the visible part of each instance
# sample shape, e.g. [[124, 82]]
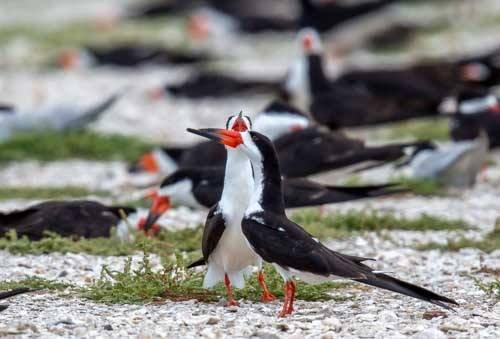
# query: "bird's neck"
[[268, 191], [318, 82], [238, 183]]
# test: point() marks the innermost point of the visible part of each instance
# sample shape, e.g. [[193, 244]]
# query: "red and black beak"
[[160, 205], [148, 163], [224, 136]]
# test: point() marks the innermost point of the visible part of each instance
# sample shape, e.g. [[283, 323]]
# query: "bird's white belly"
[[232, 253]]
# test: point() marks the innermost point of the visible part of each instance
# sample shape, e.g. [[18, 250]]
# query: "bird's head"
[[471, 103], [278, 119], [198, 27], [253, 144], [310, 41], [72, 58], [474, 72], [159, 206]]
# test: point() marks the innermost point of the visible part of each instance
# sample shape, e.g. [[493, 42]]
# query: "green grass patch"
[[46, 192], [492, 287], [489, 243], [50, 146], [175, 283], [49, 40], [337, 225], [425, 187], [34, 283], [431, 128], [165, 244]]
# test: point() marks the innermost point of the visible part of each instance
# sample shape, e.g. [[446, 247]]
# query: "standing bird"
[[366, 97], [224, 247], [286, 245]]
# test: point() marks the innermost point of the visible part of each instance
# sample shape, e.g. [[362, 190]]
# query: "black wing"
[[278, 240], [214, 228], [299, 192]]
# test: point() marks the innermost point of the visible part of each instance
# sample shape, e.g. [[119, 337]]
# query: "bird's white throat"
[[238, 183]]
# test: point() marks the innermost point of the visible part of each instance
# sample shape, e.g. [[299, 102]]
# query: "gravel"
[[369, 313]]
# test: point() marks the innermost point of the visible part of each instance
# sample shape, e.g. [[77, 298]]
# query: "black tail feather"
[[11, 293], [392, 284], [199, 262]]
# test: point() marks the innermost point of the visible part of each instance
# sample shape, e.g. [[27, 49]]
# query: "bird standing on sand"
[[286, 245]]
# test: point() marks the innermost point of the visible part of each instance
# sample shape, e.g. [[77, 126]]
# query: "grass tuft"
[[145, 285], [488, 244], [175, 283], [7, 193], [34, 283], [430, 128], [425, 187], [166, 244], [338, 225], [50, 146], [492, 287]]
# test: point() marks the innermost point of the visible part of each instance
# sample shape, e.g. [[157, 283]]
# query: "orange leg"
[[291, 298], [229, 289], [284, 310], [266, 294]]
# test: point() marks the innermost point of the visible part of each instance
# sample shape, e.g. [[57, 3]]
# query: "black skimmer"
[[216, 85], [79, 218], [160, 8], [358, 97], [201, 187], [286, 245], [322, 151], [472, 111], [325, 15], [126, 55], [275, 120], [287, 127], [54, 117], [225, 250], [482, 70]]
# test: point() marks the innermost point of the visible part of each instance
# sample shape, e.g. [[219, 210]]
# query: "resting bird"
[[78, 219], [52, 117]]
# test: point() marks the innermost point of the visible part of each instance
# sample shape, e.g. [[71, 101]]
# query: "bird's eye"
[[228, 121]]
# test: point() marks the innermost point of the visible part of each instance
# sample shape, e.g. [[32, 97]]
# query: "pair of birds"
[[248, 225]]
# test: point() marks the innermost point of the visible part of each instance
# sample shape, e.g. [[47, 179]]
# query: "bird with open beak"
[[225, 250], [294, 252]]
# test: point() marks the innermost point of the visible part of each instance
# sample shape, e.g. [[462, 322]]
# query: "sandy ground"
[[372, 313]]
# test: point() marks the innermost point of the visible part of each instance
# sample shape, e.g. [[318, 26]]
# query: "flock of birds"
[[256, 169]]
